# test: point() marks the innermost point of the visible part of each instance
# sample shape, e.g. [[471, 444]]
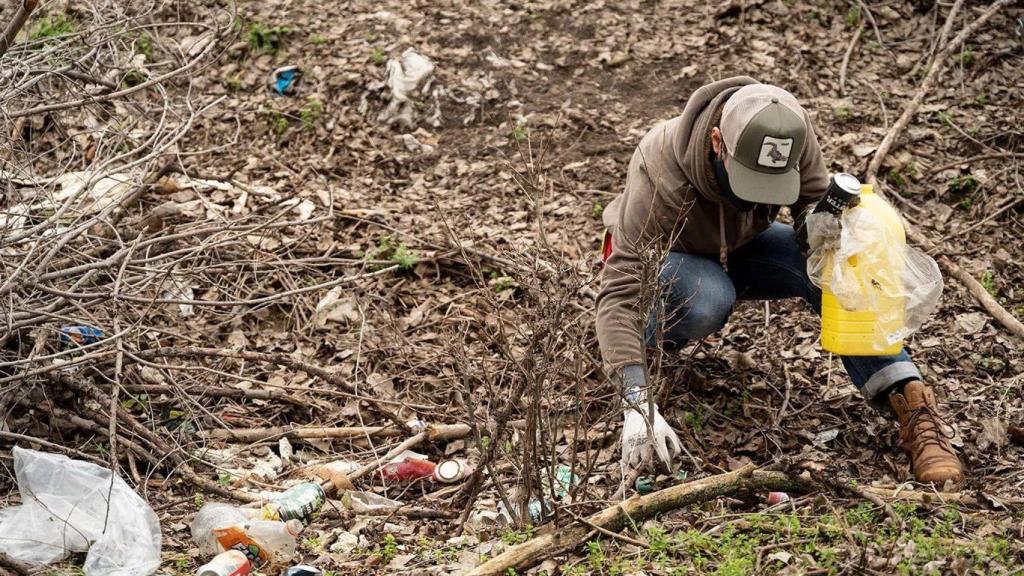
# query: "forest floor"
[[536, 109]]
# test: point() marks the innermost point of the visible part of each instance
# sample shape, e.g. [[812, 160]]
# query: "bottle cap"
[[449, 471]]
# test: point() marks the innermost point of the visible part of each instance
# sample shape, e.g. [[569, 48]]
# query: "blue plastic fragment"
[[80, 335], [284, 79]]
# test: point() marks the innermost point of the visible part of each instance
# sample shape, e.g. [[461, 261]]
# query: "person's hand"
[[637, 441]]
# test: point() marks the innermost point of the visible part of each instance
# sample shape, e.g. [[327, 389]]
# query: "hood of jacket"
[[693, 140]]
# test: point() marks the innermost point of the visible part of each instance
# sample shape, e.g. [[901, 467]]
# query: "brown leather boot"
[[932, 458]]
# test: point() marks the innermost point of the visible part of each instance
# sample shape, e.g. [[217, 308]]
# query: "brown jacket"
[[671, 201]]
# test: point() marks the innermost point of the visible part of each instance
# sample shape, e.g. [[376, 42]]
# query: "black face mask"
[[723, 185]]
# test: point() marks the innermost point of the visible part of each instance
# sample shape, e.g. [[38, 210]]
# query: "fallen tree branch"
[[746, 480], [434, 432], [217, 392], [842, 487], [939, 64], [636, 510], [207, 48], [922, 496], [97, 418], [995, 309]]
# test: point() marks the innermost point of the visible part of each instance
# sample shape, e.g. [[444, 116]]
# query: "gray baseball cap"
[[764, 131]]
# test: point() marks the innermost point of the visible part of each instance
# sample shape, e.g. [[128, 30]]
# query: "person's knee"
[[709, 311], [698, 299], [702, 312]]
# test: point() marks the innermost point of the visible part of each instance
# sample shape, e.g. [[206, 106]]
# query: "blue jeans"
[[698, 297]]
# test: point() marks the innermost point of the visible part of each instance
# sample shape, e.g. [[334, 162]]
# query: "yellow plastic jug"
[[876, 275]]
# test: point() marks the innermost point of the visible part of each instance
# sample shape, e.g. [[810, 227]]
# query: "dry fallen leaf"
[[993, 434]]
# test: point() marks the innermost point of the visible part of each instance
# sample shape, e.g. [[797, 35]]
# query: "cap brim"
[[753, 186]]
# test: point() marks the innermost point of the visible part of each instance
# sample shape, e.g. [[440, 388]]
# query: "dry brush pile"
[[247, 332]]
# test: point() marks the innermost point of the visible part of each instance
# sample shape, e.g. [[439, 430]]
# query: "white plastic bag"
[[899, 283], [409, 78], [64, 510]]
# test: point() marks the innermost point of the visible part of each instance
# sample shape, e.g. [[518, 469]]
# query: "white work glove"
[[638, 439]]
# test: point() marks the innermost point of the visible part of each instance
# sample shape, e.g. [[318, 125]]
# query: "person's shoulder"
[[661, 131]]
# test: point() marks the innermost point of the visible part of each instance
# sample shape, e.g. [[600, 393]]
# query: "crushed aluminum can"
[[777, 498], [644, 484], [648, 484]]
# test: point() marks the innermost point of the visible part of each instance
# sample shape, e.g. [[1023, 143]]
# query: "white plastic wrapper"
[[64, 510], [899, 283]]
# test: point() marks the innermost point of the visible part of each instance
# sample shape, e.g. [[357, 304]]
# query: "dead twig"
[[16, 23], [845, 487], [846, 59], [15, 437], [979, 157], [280, 359], [17, 566], [874, 25], [408, 444], [434, 432]]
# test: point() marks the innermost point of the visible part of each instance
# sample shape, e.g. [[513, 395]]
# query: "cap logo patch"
[[774, 152]]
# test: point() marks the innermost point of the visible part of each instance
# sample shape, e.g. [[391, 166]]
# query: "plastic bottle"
[[277, 538], [877, 272], [299, 502], [217, 515], [537, 510], [407, 469], [262, 541], [230, 563]]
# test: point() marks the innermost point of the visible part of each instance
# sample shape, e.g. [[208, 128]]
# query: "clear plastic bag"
[[65, 509], [864, 261]]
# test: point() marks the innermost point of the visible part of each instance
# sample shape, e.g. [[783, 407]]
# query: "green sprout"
[[853, 16], [265, 39], [843, 113], [520, 133], [963, 184], [144, 45], [988, 282], [51, 26], [310, 113]]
